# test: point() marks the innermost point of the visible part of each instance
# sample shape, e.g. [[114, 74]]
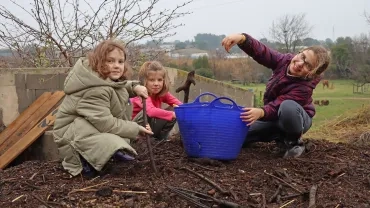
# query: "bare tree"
[[361, 66], [290, 30], [367, 17], [61, 29]]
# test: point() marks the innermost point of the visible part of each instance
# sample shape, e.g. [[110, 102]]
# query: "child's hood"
[[82, 77]]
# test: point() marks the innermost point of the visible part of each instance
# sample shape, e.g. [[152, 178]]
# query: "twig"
[[263, 196], [30, 185], [76, 190], [290, 196], [186, 87], [192, 199], [42, 202], [18, 198], [203, 197], [286, 204], [115, 191], [313, 191], [153, 147], [281, 180], [277, 192], [263, 200], [94, 178], [338, 205], [33, 176], [207, 180], [148, 138]]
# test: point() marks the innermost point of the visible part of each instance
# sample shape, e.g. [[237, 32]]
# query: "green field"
[[341, 99]]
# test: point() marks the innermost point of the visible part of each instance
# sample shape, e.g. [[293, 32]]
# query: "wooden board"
[[16, 149], [41, 112], [23, 117]]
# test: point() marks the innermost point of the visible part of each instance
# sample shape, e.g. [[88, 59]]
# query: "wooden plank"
[[28, 139], [32, 121], [23, 117]]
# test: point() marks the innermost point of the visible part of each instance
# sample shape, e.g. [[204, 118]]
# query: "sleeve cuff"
[[244, 39]]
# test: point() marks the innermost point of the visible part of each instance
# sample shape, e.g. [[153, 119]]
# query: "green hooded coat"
[[93, 119]]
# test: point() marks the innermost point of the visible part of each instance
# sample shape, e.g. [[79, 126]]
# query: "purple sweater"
[[280, 86]]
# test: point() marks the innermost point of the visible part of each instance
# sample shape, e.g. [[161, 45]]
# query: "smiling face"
[[116, 64], [303, 63], [155, 82]]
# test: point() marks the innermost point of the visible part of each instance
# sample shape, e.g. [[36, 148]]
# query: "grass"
[[343, 103]]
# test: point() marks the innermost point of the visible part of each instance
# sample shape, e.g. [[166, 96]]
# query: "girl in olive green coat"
[[94, 120]]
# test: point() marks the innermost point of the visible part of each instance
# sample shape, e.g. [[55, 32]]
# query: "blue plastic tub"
[[211, 129]]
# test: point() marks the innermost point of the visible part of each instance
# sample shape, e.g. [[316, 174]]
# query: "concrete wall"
[[177, 78], [19, 88]]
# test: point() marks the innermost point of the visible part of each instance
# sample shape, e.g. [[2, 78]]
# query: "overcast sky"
[[329, 18], [255, 17]]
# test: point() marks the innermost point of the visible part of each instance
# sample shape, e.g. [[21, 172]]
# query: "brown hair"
[[154, 66], [98, 57], [322, 60]]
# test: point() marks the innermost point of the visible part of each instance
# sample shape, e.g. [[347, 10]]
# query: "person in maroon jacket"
[[288, 109]]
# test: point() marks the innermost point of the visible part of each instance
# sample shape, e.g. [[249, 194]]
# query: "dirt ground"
[[340, 172]]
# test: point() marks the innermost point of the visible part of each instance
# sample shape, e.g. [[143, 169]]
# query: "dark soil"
[[341, 173]]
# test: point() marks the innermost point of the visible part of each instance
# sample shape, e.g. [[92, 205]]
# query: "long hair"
[[154, 66], [322, 63], [98, 57]]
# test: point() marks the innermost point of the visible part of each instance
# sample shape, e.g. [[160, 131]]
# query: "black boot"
[[122, 156], [88, 170]]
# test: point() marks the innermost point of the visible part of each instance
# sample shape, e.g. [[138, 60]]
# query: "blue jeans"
[[292, 122]]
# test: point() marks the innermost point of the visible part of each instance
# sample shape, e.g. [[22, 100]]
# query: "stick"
[[313, 191], [263, 197], [77, 190], [207, 180], [18, 198], [156, 145], [33, 176], [42, 202], [186, 87], [148, 138], [273, 197], [281, 180], [284, 205], [263, 200], [30, 185], [290, 196], [115, 191]]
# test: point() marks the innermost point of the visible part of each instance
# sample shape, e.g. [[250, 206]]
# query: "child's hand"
[[229, 41], [141, 91], [251, 115], [144, 131], [148, 127], [173, 115], [174, 105]]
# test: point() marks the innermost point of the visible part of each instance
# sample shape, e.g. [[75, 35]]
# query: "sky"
[[329, 18]]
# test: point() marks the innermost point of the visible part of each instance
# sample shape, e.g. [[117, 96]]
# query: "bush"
[[205, 73]]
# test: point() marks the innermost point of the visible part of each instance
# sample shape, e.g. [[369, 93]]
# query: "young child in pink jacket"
[[155, 78]]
